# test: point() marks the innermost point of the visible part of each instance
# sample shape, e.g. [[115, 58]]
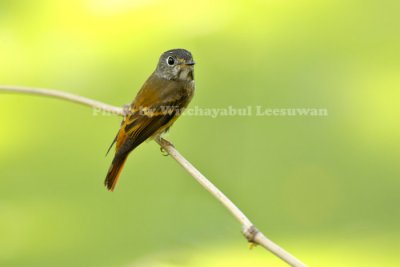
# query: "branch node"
[[250, 233]]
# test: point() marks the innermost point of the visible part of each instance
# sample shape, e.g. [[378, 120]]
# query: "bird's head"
[[176, 64]]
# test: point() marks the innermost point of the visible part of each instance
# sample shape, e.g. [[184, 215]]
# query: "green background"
[[325, 188]]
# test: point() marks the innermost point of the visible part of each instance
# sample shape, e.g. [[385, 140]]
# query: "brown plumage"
[[155, 108]]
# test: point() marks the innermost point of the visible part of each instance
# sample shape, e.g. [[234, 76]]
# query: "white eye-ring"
[[170, 61]]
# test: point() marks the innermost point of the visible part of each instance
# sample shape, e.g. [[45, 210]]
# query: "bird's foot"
[[163, 152], [164, 143]]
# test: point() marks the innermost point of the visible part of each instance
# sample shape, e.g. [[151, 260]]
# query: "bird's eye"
[[170, 61]]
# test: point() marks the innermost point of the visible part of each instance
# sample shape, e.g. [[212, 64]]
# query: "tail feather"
[[114, 171]]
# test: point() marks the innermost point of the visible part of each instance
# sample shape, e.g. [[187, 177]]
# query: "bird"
[[157, 105]]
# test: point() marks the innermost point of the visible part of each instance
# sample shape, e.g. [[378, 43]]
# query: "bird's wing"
[[156, 107]]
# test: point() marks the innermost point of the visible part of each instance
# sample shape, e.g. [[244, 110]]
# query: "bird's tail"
[[114, 171]]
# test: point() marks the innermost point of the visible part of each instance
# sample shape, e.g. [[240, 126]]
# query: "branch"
[[252, 234], [64, 96]]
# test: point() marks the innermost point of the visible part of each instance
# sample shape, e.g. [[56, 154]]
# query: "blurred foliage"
[[325, 188]]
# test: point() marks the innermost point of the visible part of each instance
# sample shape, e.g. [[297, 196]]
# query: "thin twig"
[[251, 233], [65, 96]]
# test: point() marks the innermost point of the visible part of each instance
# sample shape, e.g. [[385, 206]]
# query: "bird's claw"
[[164, 144], [163, 152]]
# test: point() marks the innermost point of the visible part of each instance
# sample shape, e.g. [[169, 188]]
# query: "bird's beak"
[[190, 63]]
